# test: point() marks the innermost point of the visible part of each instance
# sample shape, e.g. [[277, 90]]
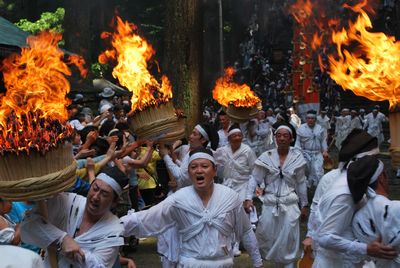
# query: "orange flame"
[[33, 110], [301, 10], [228, 92], [372, 69], [132, 53]]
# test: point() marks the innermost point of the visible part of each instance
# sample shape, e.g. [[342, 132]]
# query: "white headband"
[[201, 155], [110, 181], [371, 152], [202, 132], [233, 131], [311, 115], [284, 127], [377, 172], [112, 131]]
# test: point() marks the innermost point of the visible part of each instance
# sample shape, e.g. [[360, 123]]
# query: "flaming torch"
[[152, 111], [36, 161], [371, 69], [240, 102]]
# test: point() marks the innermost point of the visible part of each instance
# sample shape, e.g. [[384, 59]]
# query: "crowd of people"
[[198, 195]]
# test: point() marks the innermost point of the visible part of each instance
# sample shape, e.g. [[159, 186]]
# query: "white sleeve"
[[252, 158], [298, 143], [151, 222], [312, 224], [301, 189], [250, 244], [256, 178], [173, 168], [7, 235], [42, 232], [100, 258], [301, 186], [336, 222], [247, 236]]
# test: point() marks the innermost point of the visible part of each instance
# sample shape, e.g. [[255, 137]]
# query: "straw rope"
[[241, 114], [37, 188]]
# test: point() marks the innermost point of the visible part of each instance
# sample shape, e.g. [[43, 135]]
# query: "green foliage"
[[48, 21], [227, 27], [152, 29], [98, 69]]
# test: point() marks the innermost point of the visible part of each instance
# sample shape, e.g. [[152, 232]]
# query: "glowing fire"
[[132, 53], [228, 92], [372, 69], [301, 10], [33, 110]]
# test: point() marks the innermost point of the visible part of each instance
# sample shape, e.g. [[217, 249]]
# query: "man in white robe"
[[83, 230], [379, 217], [235, 162], [282, 171], [342, 126], [324, 121], [225, 123], [355, 120], [373, 124], [202, 135], [311, 139], [337, 245], [208, 217], [356, 145]]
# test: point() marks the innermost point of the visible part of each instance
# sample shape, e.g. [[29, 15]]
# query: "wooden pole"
[[394, 123]]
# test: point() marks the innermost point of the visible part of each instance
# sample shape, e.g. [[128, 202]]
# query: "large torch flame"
[[372, 68], [228, 92], [132, 53], [33, 110]]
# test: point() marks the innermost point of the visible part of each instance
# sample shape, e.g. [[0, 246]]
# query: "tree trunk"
[[182, 55], [83, 22], [210, 68]]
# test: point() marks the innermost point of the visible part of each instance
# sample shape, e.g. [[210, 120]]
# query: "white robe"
[[324, 122], [236, 167], [223, 138], [100, 243], [312, 141], [380, 216], [263, 138], [314, 220], [342, 127], [355, 123], [7, 234], [206, 233], [337, 247], [168, 243], [373, 125], [278, 232], [18, 257], [179, 170]]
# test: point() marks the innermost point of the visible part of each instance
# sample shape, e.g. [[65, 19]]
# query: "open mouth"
[[93, 205], [200, 178]]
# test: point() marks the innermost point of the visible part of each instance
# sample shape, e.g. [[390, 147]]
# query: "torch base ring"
[[38, 188]]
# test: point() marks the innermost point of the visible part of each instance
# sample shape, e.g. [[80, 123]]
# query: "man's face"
[[224, 120], [202, 173], [196, 139], [283, 138], [235, 139], [99, 199], [119, 113], [311, 121], [261, 115]]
